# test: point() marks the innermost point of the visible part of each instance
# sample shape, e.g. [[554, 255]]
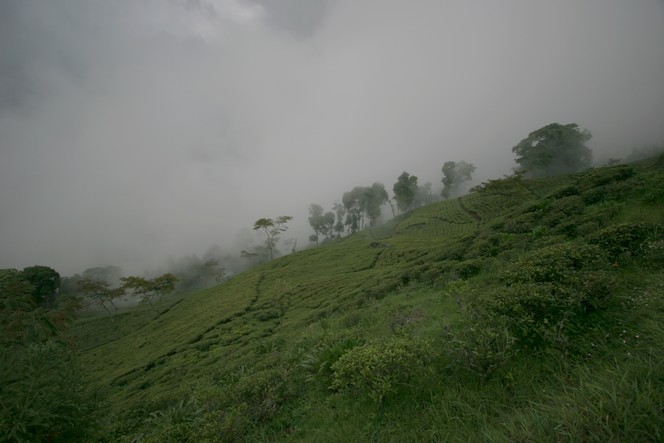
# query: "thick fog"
[[135, 130]]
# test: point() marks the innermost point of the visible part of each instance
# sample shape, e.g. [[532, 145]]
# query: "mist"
[[133, 131]]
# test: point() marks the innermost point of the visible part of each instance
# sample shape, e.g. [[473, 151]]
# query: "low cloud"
[[131, 131]]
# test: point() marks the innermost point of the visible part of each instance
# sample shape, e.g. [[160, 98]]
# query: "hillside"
[[528, 310]]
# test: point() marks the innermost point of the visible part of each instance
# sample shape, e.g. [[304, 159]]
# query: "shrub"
[[482, 348], [625, 239], [551, 294], [556, 263], [319, 361], [43, 396], [604, 176], [565, 191], [378, 369], [469, 268], [547, 314], [262, 392]]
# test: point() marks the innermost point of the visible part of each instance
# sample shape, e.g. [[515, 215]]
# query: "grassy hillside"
[[529, 310]]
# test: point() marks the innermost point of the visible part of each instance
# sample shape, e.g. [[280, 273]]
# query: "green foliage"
[[361, 202], [554, 149], [405, 190], [45, 281], [318, 361], [482, 348], [559, 263], [321, 223], [272, 229], [149, 289], [378, 369], [454, 174], [43, 396], [626, 239]]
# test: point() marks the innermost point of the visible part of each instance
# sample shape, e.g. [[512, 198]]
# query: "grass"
[[256, 358]]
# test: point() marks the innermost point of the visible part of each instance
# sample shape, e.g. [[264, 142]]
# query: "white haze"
[[134, 130]]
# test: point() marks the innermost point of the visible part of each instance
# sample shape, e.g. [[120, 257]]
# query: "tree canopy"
[[272, 229], [364, 201], [454, 174], [321, 223], [405, 191], [554, 149]]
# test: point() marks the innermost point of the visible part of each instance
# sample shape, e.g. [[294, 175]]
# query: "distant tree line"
[[551, 150]]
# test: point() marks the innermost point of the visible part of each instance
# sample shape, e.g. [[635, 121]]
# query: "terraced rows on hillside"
[[244, 341], [298, 289]]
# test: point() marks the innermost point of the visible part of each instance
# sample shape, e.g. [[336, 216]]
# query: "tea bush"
[[378, 369], [626, 239], [556, 263]]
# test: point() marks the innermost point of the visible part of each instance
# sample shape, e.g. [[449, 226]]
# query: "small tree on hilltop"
[[405, 190], [272, 230], [321, 223], [454, 174], [149, 289], [554, 149]]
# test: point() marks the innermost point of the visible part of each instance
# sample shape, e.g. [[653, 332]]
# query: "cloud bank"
[[131, 131]]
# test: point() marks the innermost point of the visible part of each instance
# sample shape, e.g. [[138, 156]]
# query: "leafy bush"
[[469, 268], [263, 392], [604, 176], [556, 263], [547, 314], [482, 347], [378, 369], [318, 362], [43, 396], [551, 294], [625, 239], [565, 191]]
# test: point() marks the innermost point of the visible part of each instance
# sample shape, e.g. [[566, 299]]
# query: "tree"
[[364, 202], [340, 212], [46, 282], [405, 190], [149, 289], [454, 174], [321, 223], [110, 274], [554, 149], [375, 197], [101, 292], [211, 268], [272, 230]]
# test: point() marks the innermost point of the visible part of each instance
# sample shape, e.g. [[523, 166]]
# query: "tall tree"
[[554, 149], [45, 281], [340, 212], [149, 289], [405, 190], [101, 292], [352, 201], [364, 202], [454, 174], [272, 230], [321, 223], [375, 197]]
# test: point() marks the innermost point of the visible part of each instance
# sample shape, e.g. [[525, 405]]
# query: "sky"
[[136, 130]]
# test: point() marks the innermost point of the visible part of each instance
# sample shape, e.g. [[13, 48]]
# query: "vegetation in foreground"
[[528, 310]]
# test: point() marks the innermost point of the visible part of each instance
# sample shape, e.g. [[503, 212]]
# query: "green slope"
[[414, 308]]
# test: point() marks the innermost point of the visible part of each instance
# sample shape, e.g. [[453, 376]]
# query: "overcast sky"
[[134, 130]]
